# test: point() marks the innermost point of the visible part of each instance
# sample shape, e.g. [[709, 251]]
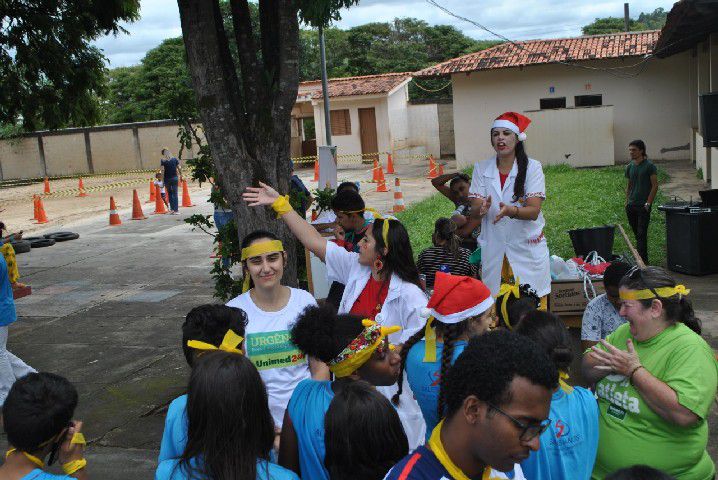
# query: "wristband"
[[630, 376], [281, 205], [74, 465]]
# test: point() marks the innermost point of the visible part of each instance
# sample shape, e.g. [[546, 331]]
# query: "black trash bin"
[[691, 238], [598, 239]]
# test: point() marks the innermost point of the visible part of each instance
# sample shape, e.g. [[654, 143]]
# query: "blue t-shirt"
[[307, 408], [38, 474], [568, 447], [170, 167], [170, 470], [7, 304], [422, 464], [423, 377], [174, 437]]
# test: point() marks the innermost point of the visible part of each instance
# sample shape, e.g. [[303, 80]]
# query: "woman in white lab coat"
[[507, 192], [382, 283]]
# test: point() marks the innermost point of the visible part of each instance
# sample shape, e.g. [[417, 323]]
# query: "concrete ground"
[[106, 312]]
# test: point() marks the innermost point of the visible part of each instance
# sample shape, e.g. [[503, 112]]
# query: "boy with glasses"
[[497, 395]]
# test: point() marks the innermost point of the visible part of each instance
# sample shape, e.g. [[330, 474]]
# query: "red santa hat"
[[457, 298], [515, 122]]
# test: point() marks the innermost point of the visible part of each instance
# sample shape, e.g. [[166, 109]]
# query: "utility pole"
[[626, 18], [325, 87]]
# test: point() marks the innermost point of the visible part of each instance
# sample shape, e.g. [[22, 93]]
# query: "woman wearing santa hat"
[[507, 192], [457, 310]]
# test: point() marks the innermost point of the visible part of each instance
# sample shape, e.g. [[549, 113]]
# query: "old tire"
[[62, 236], [42, 242], [21, 246]]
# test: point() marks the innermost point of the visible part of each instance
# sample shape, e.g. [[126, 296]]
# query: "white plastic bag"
[[563, 269]]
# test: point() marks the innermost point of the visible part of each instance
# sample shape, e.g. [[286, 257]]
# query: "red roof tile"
[[535, 52], [350, 86]]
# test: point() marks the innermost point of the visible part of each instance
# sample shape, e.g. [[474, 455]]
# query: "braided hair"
[[527, 301], [450, 332]]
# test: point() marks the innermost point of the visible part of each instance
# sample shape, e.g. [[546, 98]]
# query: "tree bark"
[[249, 139]]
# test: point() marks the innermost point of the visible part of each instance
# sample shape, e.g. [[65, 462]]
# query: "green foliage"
[[158, 88], [51, 75], [699, 174], [577, 198], [646, 21], [323, 198]]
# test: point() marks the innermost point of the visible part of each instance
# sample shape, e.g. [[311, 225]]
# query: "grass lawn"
[[577, 198]]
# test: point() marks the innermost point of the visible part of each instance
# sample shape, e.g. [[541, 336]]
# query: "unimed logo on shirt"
[[273, 350]]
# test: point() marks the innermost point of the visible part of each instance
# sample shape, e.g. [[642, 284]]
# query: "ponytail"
[[445, 229], [522, 162]]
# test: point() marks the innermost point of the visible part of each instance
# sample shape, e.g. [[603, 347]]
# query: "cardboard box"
[[567, 296]]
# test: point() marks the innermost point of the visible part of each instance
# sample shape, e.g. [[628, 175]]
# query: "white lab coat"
[[521, 241], [402, 307]]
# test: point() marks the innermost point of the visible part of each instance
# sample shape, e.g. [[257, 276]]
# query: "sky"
[[517, 20]]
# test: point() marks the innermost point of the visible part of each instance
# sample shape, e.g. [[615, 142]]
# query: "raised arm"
[[264, 195], [439, 183]]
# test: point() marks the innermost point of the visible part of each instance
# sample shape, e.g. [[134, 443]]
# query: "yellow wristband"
[[71, 467], [281, 205]]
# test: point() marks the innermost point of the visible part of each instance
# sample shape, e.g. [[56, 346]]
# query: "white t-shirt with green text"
[[267, 343]]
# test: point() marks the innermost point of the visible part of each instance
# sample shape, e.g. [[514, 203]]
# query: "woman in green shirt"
[[655, 379]]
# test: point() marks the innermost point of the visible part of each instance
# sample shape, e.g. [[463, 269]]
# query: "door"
[[367, 133]]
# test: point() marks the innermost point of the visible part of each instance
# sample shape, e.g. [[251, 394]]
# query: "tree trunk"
[[249, 141]]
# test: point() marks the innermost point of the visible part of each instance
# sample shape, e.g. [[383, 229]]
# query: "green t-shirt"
[[630, 432], [640, 178]]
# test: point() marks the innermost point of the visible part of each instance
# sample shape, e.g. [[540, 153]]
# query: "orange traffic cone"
[[432, 167], [186, 201], [316, 170], [41, 215], [137, 213], [381, 182], [152, 192], [377, 171], [81, 188], [389, 164], [398, 197], [441, 169], [159, 204], [47, 186], [35, 209], [114, 216]]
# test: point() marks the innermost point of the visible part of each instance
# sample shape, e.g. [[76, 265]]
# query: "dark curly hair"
[[549, 333], [450, 332], [490, 362], [209, 323], [38, 407], [516, 307], [348, 200], [614, 273], [459, 177], [321, 333]]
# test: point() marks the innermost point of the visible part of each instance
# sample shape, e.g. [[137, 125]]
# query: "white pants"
[[11, 367]]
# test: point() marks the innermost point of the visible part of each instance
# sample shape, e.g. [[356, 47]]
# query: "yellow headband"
[[230, 342], [507, 290], [377, 215], [385, 232], [430, 339], [255, 250], [648, 294], [358, 352]]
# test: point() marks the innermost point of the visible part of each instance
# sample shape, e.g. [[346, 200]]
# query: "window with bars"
[[341, 122]]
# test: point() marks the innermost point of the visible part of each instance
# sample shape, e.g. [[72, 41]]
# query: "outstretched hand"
[[485, 206], [504, 211], [259, 196], [616, 360]]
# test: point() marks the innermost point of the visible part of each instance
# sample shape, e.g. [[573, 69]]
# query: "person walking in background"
[[641, 190], [172, 174]]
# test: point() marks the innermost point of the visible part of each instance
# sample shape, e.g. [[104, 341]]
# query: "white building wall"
[[398, 105], [424, 128], [351, 144], [650, 106]]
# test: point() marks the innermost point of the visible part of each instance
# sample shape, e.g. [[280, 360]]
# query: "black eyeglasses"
[[528, 431]]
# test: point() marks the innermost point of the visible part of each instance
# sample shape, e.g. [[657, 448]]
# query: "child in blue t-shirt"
[[459, 309], [354, 349], [37, 418], [208, 324], [230, 428], [568, 447]]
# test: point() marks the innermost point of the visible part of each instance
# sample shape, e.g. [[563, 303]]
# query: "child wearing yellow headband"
[[206, 328], [354, 349]]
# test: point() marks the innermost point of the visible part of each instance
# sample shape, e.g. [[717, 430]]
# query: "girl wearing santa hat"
[[457, 310], [507, 192]]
